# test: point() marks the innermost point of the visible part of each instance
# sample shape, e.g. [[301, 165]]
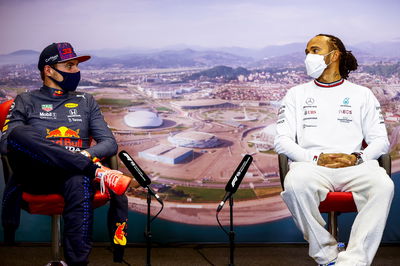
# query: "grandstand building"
[[167, 154], [194, 139], [203, 104]]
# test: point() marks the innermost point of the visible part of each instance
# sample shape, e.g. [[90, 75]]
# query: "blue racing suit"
[[43, 134]]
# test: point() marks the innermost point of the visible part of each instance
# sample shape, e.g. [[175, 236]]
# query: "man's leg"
[[10, 212], [41, 166], [26, 141], [78, 220], [118, 224], [373, 193], [306, 185]]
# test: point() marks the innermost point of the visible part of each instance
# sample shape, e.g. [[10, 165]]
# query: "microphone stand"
[[147, 234], [231, 233]]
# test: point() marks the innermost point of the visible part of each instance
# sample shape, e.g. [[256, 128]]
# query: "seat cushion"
[[338, 202], [51, 204]]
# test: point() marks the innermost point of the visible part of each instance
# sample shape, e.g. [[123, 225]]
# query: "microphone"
[[236, 179], [138, 173]]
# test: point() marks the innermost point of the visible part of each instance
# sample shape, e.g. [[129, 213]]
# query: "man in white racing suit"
[[321, 127]]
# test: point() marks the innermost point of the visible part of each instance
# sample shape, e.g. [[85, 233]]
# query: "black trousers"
[[42, 167]]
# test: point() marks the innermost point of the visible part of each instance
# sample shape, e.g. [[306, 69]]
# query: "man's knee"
[[376, 181], [20, 133], [301, 177], [21, 139], [383, 185], [78, 186]]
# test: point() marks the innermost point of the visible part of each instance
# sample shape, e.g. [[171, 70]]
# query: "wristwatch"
[[359, 158]]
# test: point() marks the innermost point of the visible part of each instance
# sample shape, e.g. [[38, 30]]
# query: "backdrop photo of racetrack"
[[189, 88]]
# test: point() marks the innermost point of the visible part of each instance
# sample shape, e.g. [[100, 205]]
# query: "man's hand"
[[336, 160]]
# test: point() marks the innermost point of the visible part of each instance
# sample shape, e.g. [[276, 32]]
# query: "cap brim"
[[80, 59]]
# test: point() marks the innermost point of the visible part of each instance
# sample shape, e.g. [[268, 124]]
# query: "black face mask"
[[70, 80]]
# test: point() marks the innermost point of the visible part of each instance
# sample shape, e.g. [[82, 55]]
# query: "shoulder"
[[82, 97], [299, 89], [81, 94], [26, 96], [356, 87], [361, 92]]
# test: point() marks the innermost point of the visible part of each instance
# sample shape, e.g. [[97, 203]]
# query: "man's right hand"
[[336, 160]]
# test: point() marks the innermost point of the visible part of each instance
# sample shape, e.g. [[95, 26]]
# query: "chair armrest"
[[385, 161], [283, 167]]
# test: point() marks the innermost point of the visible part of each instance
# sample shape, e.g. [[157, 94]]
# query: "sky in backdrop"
[[126, 24]]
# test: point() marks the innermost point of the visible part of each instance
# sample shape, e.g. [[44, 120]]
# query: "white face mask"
[[315, 64]]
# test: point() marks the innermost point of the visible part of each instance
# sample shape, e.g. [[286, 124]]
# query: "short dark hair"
[[347, 61]]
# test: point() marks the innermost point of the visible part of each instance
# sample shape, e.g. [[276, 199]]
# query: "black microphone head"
[[135, 170], [239, 174]]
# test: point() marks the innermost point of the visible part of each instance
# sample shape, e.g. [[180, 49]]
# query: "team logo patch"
[[71, 105], [58, 93], [62, 132], [47, 107], [120, 235], [73, 112], [310, 101]]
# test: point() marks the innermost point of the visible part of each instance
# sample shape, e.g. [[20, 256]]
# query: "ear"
[[48, 71], [335, 56]]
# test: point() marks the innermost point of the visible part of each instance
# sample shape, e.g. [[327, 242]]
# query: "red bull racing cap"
[[59, 52]]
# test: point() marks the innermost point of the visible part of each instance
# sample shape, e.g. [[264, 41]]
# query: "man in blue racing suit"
[[46, 138]]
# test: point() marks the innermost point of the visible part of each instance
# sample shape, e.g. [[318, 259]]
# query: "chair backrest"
[[4, 108]]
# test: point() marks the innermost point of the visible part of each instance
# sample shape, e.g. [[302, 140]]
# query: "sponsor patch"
[[346, 112], [69, 144], [73, 112], [62, 132], [310, 101], [52, 58], [73, 149], [345, 120], [71, 105], [74, 120], [120, 235], [48, 115], [58, 93], [47, 107], [310, 112], [74, 116]]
